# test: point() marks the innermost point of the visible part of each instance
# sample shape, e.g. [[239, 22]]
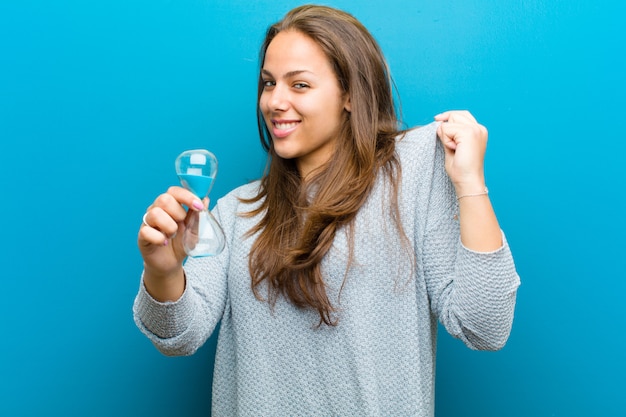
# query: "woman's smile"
[[282, 128]]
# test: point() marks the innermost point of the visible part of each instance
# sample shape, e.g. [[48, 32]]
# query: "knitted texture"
[[380, 358]]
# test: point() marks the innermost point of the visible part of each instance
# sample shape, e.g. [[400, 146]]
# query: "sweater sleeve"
[[472, 293], [183, 326]]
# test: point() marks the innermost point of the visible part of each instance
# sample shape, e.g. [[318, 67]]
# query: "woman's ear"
[[347, 106]]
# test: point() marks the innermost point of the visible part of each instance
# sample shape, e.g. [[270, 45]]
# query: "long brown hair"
[[300, 218]]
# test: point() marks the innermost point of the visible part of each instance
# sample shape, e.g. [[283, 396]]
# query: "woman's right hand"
[[160, 242]]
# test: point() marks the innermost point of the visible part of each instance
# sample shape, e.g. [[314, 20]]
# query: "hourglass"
[[203, 235]]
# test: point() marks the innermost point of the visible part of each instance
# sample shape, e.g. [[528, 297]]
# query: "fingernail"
[[165, 242], [197, 204]]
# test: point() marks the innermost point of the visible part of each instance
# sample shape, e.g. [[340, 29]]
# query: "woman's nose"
[[278, 99]]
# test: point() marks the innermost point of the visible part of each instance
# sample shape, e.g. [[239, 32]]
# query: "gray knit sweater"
[[380, 358]]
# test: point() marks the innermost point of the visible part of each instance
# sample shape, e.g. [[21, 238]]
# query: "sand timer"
[[203, 235]]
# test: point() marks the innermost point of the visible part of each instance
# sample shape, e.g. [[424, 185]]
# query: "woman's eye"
[[299, 86], [268, 83]]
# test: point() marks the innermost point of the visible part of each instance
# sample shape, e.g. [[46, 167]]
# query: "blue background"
[[97, 98]]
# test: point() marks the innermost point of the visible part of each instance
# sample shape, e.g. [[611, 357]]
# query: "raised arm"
[[472, 283]]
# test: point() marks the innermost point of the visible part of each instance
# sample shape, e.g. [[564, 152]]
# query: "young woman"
[[341, 260]]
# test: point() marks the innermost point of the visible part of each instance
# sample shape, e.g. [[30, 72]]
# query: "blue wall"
[[97, 98]]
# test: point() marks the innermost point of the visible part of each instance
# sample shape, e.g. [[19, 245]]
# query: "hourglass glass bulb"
[[196, 170]]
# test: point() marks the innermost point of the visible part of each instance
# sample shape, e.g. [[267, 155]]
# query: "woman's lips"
[[282, 128]]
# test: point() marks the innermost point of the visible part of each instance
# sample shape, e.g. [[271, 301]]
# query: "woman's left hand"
[[465, 142]]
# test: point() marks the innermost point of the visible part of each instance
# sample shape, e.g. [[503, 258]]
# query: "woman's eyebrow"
[[288, 74]]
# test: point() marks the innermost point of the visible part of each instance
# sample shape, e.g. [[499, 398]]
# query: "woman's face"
[[302, 102]]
